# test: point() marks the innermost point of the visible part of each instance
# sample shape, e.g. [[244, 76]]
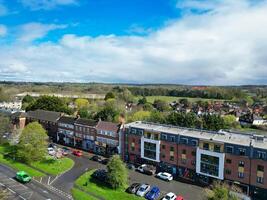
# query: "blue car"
[[153, 193]]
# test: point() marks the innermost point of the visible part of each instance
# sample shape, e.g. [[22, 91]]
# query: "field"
[[169, 99]]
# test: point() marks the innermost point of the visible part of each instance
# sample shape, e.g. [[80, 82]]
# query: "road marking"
[[11, 190], [48, 180], [41, 179]]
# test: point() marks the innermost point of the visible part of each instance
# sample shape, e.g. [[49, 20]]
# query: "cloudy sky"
[[217, 42]]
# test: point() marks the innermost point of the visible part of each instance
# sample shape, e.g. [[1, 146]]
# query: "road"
[[29, 191]]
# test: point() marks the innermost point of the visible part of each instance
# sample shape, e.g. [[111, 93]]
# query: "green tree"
[[230, 121], [148, 107], [108, 113], [83, 113], [27, 100], [219, 191], [157, 117], [81, 103], [32, 144], [117, 173], [140, 116], [127, 95], [213, 122], [109, 95], [49, 103], [142, 101], [161, 105]]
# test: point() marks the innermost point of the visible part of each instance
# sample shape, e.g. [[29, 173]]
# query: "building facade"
[[200, 156]]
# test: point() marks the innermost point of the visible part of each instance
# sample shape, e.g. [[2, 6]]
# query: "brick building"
[[200, 156]]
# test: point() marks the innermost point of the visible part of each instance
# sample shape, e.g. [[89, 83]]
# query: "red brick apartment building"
[[200, 156]]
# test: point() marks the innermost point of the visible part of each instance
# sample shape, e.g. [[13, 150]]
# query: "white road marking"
[[48, 180]]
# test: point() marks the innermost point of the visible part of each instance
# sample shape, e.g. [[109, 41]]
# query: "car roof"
[[155, 188], [170, 194], [179, 198], [22, 173]]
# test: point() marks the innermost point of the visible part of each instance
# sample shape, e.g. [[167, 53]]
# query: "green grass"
[[80, 195], [20, 166], [151, 99], [54, 167], [99, 189]]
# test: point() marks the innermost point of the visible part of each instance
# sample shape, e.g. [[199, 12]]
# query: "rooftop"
[[44, 115], [220, 136]]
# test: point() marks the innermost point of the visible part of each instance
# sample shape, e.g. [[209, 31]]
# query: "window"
[[164, 136], [242, 152], [156, 136], [163, 146], [184, 151], [171, 158], [172, 139], [206, 146], [194, 143], [132, 148], [261, 155], [217, 148], [193, 153], [260, 168], [171, 148], [184, 140], [228, 161], [241, 164], [228, 171], [241, 174], [133, 131], [163, 155], [259, 179], [229, 149]]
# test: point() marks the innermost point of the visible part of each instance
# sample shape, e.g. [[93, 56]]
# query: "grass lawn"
[[54, 167], [80, 195], [151, 99], [99, 189], [19, 166]]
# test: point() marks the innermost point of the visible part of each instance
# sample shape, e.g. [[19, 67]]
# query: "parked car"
[[65, 152], [100, 175], [147, 169], [144, 188], [23, 177], [169, 196], [51, 151], [51, 145], [133, 188], [165, 176], [153, 193], [179, 198], [130, 166], [77, 153], [96, 158], [105, 161]]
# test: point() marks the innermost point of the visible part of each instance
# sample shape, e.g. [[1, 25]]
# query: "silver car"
[[144, 188]]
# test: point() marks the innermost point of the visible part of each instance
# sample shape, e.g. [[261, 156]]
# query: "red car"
[[77, 153], [179, 198]]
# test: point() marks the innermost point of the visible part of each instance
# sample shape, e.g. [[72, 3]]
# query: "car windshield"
[[143, 188], [167, 197], [25, 176]]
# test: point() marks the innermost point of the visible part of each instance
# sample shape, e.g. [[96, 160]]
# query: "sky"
[[196, 42]]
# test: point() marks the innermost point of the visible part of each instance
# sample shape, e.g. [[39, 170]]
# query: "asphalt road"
[[29, 191]]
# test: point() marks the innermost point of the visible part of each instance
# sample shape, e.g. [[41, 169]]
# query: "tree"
[[108, 113], [49, 103], [161, 105], [185, 102], [83, 113], [230, 121], [142, 101], [213, 122], [32, 144], [219, 191], [127, 95], [81, 103], [117, 173], [109, 95], [148, 107], [157, 117], [140, 116], [4, 126], [27, 100]]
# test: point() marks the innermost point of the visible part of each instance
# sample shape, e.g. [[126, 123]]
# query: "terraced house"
[[200, 156]]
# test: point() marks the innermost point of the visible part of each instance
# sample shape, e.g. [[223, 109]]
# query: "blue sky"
[[135, 41]]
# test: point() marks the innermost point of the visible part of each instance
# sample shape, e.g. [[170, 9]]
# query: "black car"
[[133, 188], [96, 158], [130, 166], [105, 161], [100, 175]]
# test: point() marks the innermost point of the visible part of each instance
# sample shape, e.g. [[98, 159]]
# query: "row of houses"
[[95, 136], [190, 154]]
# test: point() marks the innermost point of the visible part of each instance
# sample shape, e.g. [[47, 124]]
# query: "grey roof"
[[67, 120], [86, 122], [220, 136], [50, 116]]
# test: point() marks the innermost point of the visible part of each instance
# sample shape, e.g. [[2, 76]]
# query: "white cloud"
[[3, 30], [47, 4], [32, 31], [225, 46]]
